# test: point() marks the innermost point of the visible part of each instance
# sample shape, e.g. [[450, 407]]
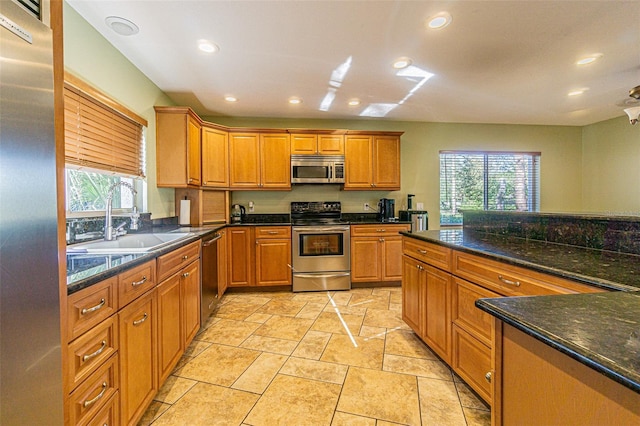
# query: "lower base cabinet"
[[471, 360], [138, 360], [169, 325]]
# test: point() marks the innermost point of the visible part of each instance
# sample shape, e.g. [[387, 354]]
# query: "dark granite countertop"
[[84, 270], [600, 330], [600, 268]]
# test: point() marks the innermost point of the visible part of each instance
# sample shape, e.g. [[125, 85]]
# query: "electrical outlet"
[[420, 206], [251, 206], [366, 206]]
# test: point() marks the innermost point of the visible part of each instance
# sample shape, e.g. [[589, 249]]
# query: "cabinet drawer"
[[472, 361], [108, 415], [171, 262], [511, 280], [93, 394], [433, 254], [90, 350], [90, 306], [466, 315], [377, 230], [273, 232], [135, 282]]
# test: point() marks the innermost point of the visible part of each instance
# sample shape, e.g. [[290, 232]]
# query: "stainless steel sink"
[[131, 243]]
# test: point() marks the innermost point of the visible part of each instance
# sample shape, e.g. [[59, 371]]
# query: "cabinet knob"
[[185, 257], [381, 240], [488, 376], [185, 275]]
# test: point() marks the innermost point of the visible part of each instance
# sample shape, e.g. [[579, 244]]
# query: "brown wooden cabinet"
[[223, 263], [412, 295], [178, 147], [315, 143], [215, 157], [138, 357], [241, 256], [376, 252], [259, 160], [273, 255], [372, 161], [170, 333]]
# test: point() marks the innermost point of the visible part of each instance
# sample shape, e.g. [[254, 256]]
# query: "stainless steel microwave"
[[317, 169]]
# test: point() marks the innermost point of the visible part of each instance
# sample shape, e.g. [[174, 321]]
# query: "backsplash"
[[613, 233], [82, 229]]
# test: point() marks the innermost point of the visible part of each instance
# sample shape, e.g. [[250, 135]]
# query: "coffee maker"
[[386, 210], [237, 212]]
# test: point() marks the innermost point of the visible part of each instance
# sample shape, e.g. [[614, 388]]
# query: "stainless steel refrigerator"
[[30, 355]]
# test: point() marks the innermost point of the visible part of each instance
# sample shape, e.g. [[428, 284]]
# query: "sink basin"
[[131, 243]]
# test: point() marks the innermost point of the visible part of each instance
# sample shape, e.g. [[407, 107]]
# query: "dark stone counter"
[[600, 330]]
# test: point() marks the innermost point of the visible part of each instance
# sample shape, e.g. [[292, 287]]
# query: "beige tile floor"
[[322, 358]]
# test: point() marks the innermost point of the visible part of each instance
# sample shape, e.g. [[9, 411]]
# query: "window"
[[487, 181], [104, 145]]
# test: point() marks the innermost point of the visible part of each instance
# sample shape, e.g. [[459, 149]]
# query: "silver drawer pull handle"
[[85, 311], [96, 353], [488, 376], [273, 232], [137, 283], [141, 320], [422, 251], [185, 275], [100, 395], [509, 282]]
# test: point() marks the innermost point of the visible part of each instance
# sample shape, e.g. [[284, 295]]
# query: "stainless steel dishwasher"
[[209, 287]]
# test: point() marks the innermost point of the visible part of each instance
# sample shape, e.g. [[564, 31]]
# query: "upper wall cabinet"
[[177, 147], [259, 160], [215, 157], [315, 143], [372, 161]]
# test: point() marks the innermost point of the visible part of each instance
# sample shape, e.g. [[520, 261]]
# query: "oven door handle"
[[331, 275], [320, 229]]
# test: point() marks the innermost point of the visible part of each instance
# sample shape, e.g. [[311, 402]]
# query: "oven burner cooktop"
[[305, 213]]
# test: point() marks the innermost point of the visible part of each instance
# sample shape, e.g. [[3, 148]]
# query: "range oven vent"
[[32, 6]]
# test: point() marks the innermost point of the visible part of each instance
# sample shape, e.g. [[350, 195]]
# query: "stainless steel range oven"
[[321, 247]]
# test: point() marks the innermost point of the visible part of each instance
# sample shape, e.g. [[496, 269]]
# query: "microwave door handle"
[[330, 172]]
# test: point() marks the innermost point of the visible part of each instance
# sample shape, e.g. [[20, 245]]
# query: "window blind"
[[487, 181], [97, 137]]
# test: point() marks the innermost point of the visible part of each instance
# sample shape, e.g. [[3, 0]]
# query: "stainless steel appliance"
[[320, 247], [317, 169], [386, 210], [237, 213], [419, 219], [209, 283], [30, 355]]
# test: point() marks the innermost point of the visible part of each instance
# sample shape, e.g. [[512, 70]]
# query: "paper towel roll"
[[185, 212]]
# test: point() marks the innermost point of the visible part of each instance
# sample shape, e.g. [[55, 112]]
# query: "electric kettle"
[[237, 211]]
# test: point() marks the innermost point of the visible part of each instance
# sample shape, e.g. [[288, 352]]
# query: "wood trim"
[[373, 133], [318, 131], [87, 89]]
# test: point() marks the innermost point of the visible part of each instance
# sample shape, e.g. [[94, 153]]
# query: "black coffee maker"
[[386, 210]]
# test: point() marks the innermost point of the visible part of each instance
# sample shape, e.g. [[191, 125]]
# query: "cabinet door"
[[358, 158], [413, 287], [190, 277], [273, 257], [138, 360], [223, 265], [304, 144], [386, 162], [437, 331], [275, 165], [215, 158], [240, 256], [471, 360], [170, 333], [244, 160], [331, 144], [365, 259], [193, 152], [391, 258]]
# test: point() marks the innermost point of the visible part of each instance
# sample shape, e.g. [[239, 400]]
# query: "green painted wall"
[[611, 167], [92, 58]]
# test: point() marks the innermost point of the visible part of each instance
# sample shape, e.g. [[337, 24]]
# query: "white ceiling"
[[497, 62]]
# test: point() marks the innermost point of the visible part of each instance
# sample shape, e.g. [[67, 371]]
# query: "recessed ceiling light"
[[402, 63], [230, 98], [439, 20], [295, 101], [589, 59], [207, 47], [577, 92], [354, 102], [122, 26]]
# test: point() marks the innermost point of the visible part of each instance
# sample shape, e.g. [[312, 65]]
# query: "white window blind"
[[487, 181]]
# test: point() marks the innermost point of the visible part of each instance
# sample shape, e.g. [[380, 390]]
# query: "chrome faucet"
[[111, 233]]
